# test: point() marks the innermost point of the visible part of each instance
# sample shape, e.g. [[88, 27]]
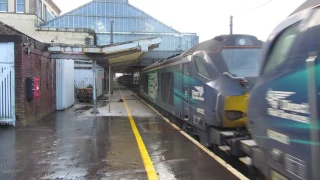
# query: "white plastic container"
[[65, 83]]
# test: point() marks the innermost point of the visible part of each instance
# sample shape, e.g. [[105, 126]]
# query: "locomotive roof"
[[307, 4], [213, 45]]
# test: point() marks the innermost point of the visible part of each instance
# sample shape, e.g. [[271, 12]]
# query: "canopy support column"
[[110, 79], [94, 72]]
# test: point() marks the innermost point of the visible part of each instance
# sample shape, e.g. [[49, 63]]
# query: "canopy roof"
[[119, 56]]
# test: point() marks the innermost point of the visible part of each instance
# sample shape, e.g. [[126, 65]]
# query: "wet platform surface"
[[78, 145]]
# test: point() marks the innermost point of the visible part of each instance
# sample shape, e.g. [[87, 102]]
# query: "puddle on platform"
[[152, 127], [83, 108], [121, 100]]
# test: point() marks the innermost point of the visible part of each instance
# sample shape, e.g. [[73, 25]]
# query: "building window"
[[40, 8], [45, 13], [3, 5], [20, 6]]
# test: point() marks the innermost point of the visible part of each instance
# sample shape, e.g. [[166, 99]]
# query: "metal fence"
[[7, 86]]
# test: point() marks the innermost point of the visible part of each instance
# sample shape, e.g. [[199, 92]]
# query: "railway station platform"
[[132, 141]]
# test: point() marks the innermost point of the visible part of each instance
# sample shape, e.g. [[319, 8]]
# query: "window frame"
[[45, 12], [5, 3], [23, 4], [196, 65], [39, 9], [227, 52], [274, 43]]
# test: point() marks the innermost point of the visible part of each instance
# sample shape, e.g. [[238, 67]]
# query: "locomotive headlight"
[[234, 115]]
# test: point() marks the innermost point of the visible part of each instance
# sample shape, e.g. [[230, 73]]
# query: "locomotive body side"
[[284, 104]]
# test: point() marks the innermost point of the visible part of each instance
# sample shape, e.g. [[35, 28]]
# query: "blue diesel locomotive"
[[206, 87]]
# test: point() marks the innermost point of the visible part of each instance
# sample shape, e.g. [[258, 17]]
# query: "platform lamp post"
[[231, 24], [111, 31], [110, 79]]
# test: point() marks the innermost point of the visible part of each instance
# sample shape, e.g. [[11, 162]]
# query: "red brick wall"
[[36, 64]]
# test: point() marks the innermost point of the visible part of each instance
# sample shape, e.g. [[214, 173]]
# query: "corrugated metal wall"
[[65, 83], [7, 92], [83, 77]]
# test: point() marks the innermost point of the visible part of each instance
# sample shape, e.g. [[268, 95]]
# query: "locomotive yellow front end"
[[235, 111]]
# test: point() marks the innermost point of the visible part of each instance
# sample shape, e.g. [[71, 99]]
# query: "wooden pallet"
[[85, 94]]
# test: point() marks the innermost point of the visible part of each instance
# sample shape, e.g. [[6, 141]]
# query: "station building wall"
[[35, 63]]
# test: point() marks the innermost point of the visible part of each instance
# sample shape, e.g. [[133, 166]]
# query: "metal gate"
[[7, 93]]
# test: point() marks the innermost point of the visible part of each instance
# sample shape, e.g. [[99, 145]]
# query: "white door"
[[7, 93]]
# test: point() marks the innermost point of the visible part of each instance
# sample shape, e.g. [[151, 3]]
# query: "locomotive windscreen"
[[242, 62]]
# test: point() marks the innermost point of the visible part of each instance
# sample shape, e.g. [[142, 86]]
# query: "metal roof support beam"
[[130, 52], [122, 63], [114, 55], [134, 45], [72, 56]]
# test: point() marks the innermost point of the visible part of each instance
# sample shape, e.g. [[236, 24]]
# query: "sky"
[[209, 18]]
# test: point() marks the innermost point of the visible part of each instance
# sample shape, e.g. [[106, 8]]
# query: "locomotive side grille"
[[167, 87], [295, 166], [145, 88]]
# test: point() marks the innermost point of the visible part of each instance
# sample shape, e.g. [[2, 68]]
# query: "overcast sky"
[[209, 18]]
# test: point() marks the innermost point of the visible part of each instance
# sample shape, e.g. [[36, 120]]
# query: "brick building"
[[27, 15], [30, 59]]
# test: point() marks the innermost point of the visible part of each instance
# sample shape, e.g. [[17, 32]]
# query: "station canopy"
[[119, 56]]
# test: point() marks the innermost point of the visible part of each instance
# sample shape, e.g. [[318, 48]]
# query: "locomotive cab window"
[[281, 47], [242, 62], [201, 66]]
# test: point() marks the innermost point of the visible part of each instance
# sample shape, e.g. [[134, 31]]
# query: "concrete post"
[[103, 83], [113, 74]]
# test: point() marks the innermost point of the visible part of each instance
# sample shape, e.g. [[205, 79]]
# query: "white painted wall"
[[26, 24], [83, 77]]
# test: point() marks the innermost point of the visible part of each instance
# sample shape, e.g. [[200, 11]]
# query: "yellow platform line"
[[206, 150], [148, 165]]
